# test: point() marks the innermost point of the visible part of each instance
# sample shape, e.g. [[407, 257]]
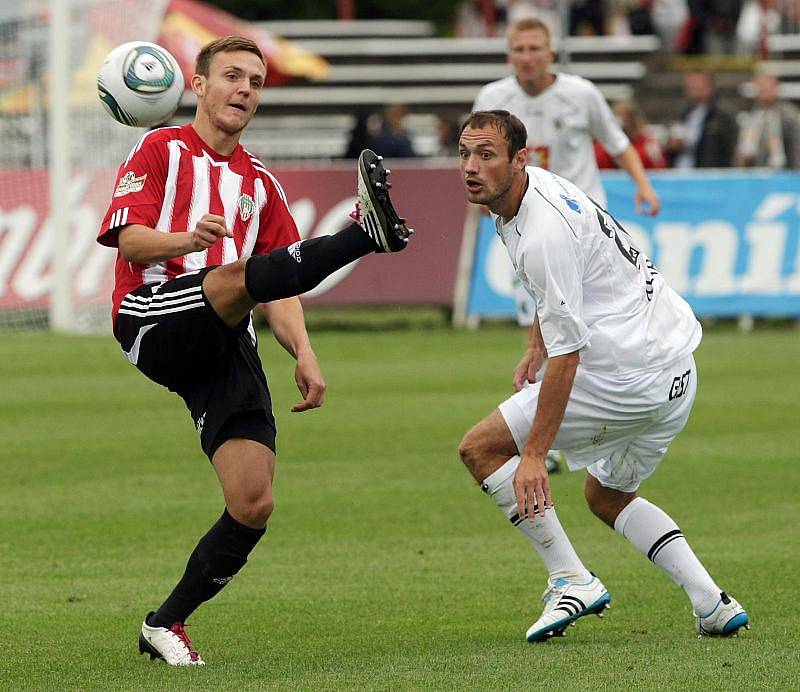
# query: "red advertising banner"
[[320, 198], [424, 273]]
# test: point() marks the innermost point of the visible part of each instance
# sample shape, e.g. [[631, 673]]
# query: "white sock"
[[654, 533], [544, 533]]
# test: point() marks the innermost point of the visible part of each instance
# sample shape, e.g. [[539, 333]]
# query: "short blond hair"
[[528, 24]]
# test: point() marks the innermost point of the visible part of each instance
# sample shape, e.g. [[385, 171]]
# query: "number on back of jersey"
[[622, 239]]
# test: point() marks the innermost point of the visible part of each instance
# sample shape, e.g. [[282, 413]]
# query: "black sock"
[[219, 555], [282, 273]]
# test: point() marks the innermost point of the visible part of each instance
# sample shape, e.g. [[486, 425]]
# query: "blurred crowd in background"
[[709, 135], [686, 26]]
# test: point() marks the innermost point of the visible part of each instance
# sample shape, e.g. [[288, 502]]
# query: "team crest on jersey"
[[129, 182], [246, 207]]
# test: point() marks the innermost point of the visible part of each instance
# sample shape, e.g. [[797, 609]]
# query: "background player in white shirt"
[[562, 114], [204, 235], [618, 388]]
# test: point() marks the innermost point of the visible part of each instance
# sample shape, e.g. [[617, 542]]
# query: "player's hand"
[[532, 487], [209, 229], [527, 368], [647, 201], [310, 382]]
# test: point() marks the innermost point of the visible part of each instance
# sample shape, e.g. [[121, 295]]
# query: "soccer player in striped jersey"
[[619, 385], [204, 234]]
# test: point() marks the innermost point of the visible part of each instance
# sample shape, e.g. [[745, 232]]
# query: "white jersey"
[[595, 292], [561, 122]]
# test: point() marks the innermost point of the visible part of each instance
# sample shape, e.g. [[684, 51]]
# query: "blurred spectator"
[[710, 27], [544, 10], [640, 19], [759, 19], [770, 136], [587, 18], [392, 139], [706, 137], [360, 136], [669, 17], [448, 129], [720, 33], [471, 20], [633, 124]]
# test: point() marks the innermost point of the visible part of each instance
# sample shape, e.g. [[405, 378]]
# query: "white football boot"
[[171, 645], [565, 602], [374, 211], [724, 620]]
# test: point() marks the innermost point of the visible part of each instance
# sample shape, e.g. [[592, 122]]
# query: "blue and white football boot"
[[724, 620], [564, 603]]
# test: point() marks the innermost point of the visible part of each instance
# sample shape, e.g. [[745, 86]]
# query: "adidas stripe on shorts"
[[171, 333]]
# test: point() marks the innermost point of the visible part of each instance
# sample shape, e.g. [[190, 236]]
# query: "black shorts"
[[171, 333]]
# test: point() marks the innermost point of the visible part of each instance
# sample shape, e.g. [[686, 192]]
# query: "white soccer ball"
[[140, 84]]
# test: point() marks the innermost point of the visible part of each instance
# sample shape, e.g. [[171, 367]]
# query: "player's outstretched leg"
[[169, 644], [564, 603], [724, 620], [303, 265], [375, 212]]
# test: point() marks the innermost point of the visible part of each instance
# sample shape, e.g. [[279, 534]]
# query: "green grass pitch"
[[384, 567]]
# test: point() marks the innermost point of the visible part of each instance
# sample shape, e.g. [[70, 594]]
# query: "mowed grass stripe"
[[385, 567]]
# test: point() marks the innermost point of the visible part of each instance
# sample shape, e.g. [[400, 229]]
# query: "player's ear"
[[198, 84], [521, 159]]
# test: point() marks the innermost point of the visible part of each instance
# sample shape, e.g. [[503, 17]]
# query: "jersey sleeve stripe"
[[278, 187], [119, 218], [143, 138]]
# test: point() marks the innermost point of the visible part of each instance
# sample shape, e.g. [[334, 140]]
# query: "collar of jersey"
[[211, 154]]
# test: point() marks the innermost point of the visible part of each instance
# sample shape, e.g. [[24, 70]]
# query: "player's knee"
[[235, 271], [226, 278], [254, 510], [471, 449], [595, 498], [605, 503]]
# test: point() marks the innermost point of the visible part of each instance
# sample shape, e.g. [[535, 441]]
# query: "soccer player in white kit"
[[619, 385], [562, 114]]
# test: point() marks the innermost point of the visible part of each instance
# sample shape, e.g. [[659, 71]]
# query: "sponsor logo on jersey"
[[294, 251], [571, 203], [246, 207], [200, 423], [129, 182]]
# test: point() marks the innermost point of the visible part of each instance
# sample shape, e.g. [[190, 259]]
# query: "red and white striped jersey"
[[169, 180]]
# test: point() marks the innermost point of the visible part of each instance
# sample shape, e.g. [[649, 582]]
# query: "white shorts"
[[619, 428]]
